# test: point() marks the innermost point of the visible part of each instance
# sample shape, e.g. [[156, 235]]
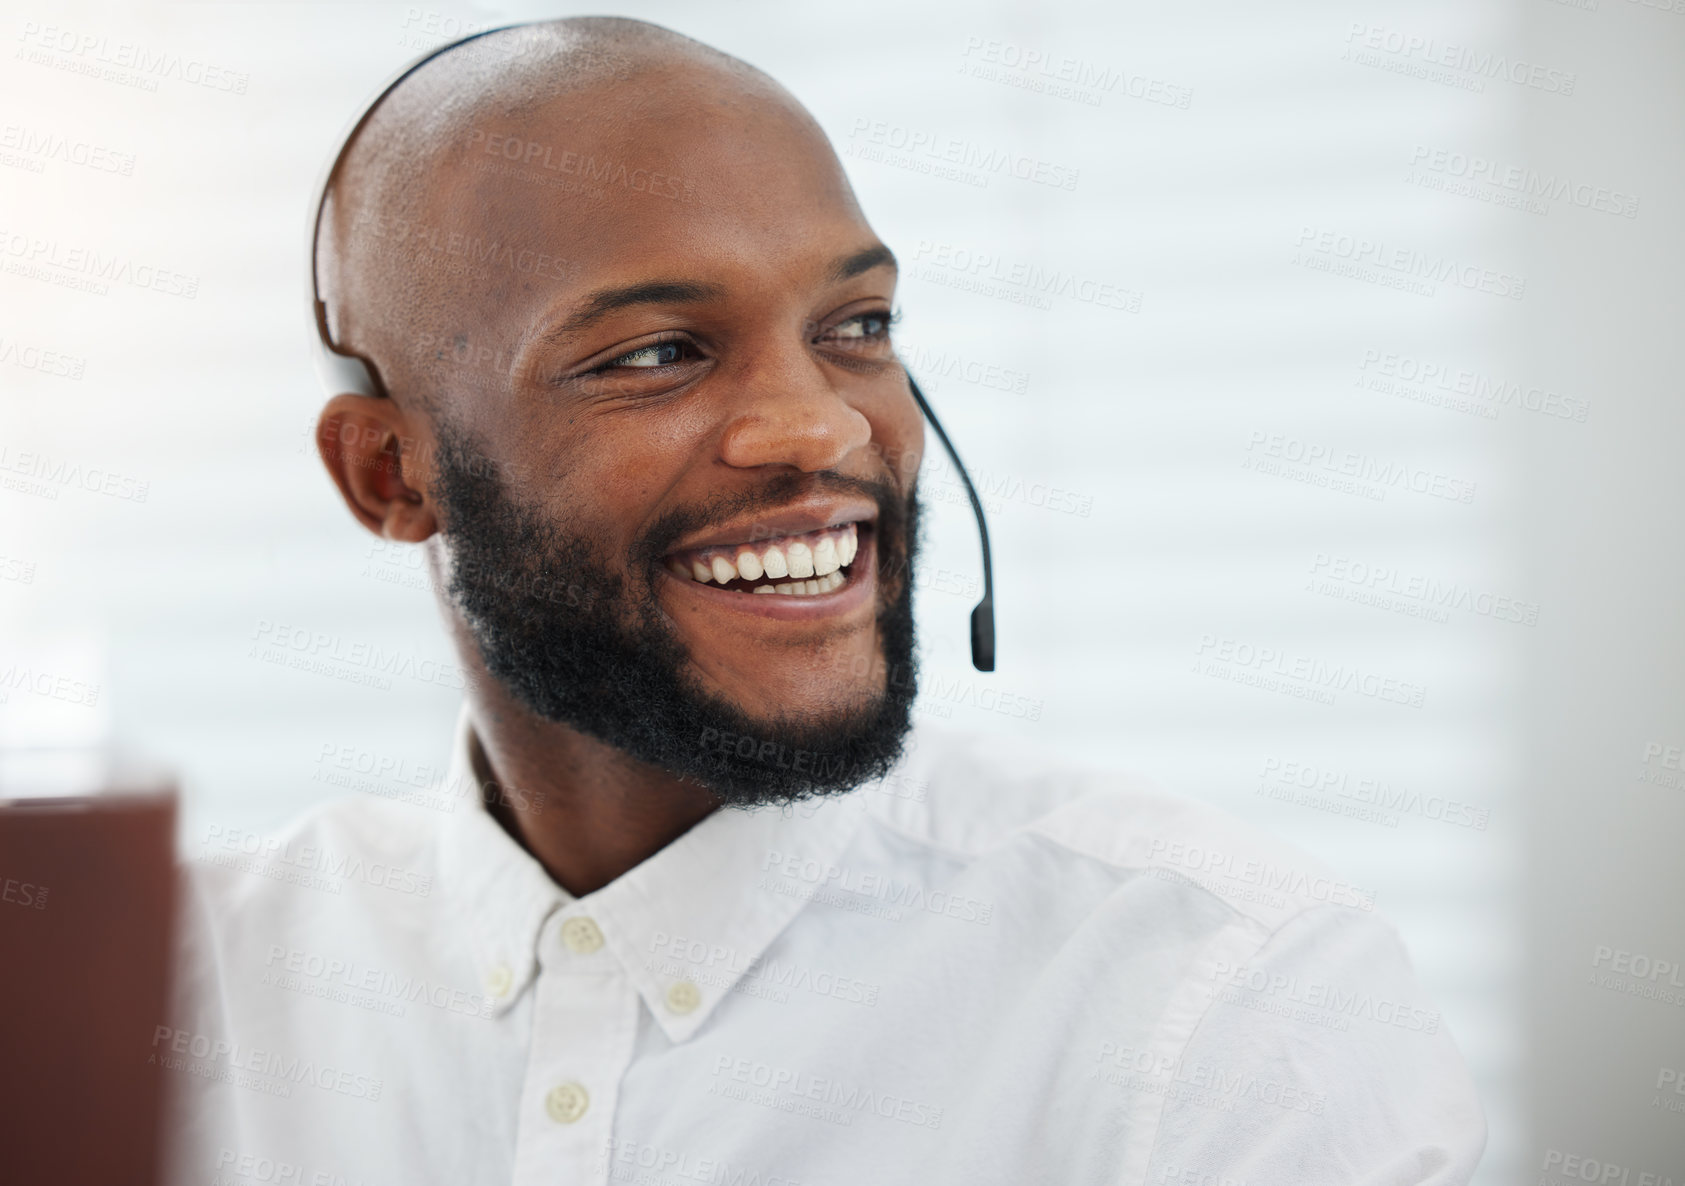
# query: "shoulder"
[[1254, 989], [974, 795], [345, 856]]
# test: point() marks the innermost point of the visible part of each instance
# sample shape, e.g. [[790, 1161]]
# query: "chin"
[[831, 691]]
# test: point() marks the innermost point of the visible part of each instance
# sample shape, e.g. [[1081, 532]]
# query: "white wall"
[[1148, 513]]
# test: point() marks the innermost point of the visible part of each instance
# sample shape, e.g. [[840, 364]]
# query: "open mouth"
[[806, 564]]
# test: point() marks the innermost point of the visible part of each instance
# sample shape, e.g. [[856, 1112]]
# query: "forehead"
[[657, 174]]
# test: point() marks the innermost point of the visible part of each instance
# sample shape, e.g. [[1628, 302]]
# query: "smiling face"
[[669, 446]]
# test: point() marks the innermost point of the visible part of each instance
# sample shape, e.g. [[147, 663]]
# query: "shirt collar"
[[694, 913]]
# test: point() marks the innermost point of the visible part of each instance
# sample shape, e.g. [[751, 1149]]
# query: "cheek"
[[898, 437], [638, 464], [608, 477]]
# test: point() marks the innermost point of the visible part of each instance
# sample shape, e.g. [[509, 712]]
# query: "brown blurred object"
[[87, 890]]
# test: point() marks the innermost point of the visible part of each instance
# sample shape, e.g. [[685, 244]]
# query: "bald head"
[[493, 176]]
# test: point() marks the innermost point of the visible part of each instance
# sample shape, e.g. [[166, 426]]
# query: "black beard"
[[557, 625]]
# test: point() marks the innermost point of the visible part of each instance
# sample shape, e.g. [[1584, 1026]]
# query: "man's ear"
[[374, 458]]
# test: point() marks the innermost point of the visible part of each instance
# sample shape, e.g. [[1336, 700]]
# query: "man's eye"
[[656, 354], [865, 326]]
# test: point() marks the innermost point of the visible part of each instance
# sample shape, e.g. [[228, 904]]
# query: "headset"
[[342, 371]]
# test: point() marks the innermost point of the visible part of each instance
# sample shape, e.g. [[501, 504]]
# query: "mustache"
[[773, 495]]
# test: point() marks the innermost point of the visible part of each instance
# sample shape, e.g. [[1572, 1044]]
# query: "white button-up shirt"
[[981, 969]]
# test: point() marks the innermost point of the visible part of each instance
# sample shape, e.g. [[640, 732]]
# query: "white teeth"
[[825, 560], [801, 559], [806, 588], [815, 567]]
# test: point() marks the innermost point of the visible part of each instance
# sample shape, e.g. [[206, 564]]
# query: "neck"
[[584, 810]]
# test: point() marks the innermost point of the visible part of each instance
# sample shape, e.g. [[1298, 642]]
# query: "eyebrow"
[[604, 301], [649, 292], [850, 266]]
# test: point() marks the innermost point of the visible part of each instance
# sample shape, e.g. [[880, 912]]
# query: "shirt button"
[[499, 979], [581, 935], [567, 1102], [683, 996]]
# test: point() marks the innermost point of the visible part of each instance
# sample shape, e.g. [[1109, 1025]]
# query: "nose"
[[789, 413]]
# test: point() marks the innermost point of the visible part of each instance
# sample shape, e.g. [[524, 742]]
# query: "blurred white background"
[[1320, 363]]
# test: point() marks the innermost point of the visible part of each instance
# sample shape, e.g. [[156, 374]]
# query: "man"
[[710, 913]]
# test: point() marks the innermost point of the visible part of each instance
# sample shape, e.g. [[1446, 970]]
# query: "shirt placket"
[[585, 1021]]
